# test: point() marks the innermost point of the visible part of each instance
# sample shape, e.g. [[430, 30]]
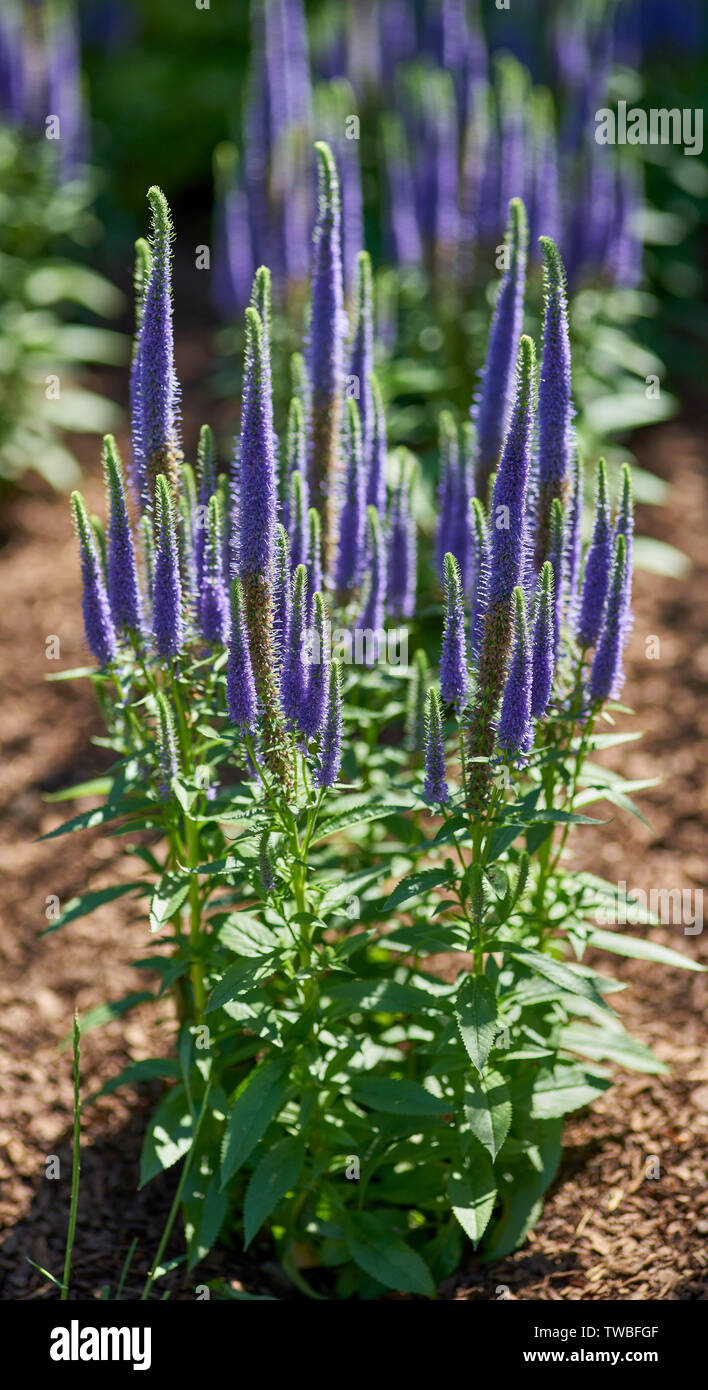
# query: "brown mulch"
[[608, 1231]]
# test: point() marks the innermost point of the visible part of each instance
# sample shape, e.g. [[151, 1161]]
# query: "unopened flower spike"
[[98, 623], [515, 732], [282, 583], [148, 551], [374, 609], [331, 755], [206, 472], [314, 584], [187, 501], [295, 673], [266, 867], [261, 298], [240, 685], [326, 349], [415, 702], [453, 659], [598, 564], [141, 275], [314, 709], [299, 525], [352, 515], [361, 363], [543, 645], [435, 785], [157, 425], [295, 455], [624, 525], [167, 619], [166, 745], [555, 407], [492, 408], [214, 606], [573, 541], [607, 674], [121, 567]]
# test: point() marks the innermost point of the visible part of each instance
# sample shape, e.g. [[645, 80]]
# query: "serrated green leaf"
[[276, 1174], [169, 1135], [89, 902], [613, 1045], [167, 898], [472, 1195], [397, 1097], [566, 977], [487, 1105], [476, 1014], [565, 1088], [239, 980], [639, 948], [360, 815], [257, 1102], [386, 1257], [414, 885]]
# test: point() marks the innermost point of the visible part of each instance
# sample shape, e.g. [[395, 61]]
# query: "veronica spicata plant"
[[309, 835]]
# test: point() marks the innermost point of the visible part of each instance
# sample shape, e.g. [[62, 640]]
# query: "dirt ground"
[[607, 1231]]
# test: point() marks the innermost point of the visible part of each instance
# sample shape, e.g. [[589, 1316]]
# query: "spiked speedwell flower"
[[331, 757], [326, 343], [402, 542], [122, 573], [607, 675], [214, 612], [352, 516], [167, 619], [240, 685], [98, 623], [491, 411], [362, 359], [314, 707], [598, 564], [374, 609], [543, 643], [515, 733], [435, 786], [156, 424], [555, 409], [295, 673]]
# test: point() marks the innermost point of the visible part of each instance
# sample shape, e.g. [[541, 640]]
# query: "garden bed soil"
[[608, 1231]]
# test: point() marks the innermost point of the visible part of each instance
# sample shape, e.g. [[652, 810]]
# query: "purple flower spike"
[[448, 485], [257, 467], [598, 564], [362, 358], [573, 544], [98, 623], [461, 541], [206, 461], [314, 709], [557, 555], [141, 276], [402, 543], [123, 588], [352, 517], [543, 643], [374, 609], [492, 408], [166, 745], [507, 520], [376, 487], [607, 674], [404, 232], [295, 674], [331, 759], [299, 526], [453, 659], [515, 733], [555, 407], [240, 685], [282, 582], [214, 608], [435, 786], [479, 572], [157, 420], [167, 620], [326, 343], [187, 506]]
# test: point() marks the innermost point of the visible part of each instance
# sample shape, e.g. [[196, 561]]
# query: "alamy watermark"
[[358, 646], [658, 126], [682, 907]]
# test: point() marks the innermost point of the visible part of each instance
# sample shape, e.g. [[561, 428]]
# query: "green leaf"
[[473, 1195], [88, 902], [476, 1014], [167, 898], [257, 1102], [660, 558], [522, 1197], [212, 1210], [565, 976], [239, 980], [358, 815], [276, 1174], [88, 819], [148, 1070], [414, 885], [386, 1257], [488, 1109], [544, 817], [397, 1097], [245, 935], [98, 786], [611, 1044], [639, 948], [169, 1135], [105, 1013], [382, 996], [564, 1089]]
